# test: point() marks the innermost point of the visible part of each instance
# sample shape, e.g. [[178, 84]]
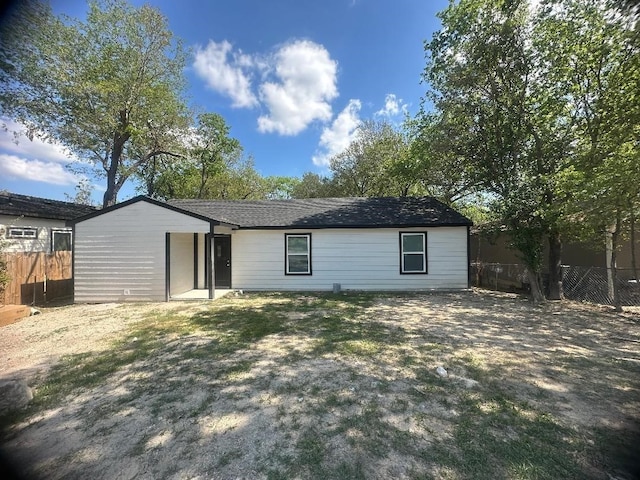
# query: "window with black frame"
[[60, 240], [413, 252], [297, 253]]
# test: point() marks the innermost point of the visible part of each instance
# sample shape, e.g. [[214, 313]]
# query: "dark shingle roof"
[[327, 212], [23, 205]]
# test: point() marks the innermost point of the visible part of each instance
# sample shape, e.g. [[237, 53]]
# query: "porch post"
[[195, 261], [167, 266], [210, 274], [469, 256]]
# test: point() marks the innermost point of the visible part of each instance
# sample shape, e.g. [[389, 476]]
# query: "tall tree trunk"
[[536, 290], [119, 140], [110, 194], [609, 259], [555, 265], [114, 183], [478, 264], [150, 178], [615, 235], [634, 265]]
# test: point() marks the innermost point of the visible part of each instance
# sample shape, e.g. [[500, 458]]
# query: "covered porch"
[[198, 265], [202, 294]]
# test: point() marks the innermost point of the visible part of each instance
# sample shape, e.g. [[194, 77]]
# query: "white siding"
[[202, 280], [358, 259], [40, 244], [222, 230], [123, 251], [182, 263]]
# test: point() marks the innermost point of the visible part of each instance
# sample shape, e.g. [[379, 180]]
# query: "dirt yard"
[[320, 386]]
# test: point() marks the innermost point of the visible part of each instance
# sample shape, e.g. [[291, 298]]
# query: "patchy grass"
[[344, 386]]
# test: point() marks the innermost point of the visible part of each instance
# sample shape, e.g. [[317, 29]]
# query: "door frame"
[[213, 262]]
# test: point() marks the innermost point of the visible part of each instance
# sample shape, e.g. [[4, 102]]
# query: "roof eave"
[[144, 198], [328, 226]]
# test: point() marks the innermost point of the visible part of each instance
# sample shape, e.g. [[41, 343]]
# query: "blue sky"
[[292, 78]]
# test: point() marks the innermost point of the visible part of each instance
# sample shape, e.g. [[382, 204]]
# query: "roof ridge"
[[327, 212], [20, 196]]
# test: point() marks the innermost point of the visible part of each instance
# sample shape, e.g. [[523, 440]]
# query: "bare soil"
[[293, 406], [30, 347]]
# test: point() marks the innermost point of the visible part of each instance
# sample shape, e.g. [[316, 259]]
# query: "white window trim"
[[423, 253], [12, 232], [287, 254], [61, 230]]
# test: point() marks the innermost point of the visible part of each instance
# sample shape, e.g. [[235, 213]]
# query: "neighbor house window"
[[297, 253], [60, 240], [413, 252], [23, 232]]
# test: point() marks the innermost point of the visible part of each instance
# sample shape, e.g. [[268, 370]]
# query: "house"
[[33, 224], [37, 244], [146, 250]]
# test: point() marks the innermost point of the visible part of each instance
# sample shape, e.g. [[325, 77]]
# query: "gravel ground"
[[273, 402], [28, 348]]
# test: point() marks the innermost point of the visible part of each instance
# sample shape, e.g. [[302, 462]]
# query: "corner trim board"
[[195, 261], [167, 266]]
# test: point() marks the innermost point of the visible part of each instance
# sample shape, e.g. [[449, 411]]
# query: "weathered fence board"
[[38, 278]]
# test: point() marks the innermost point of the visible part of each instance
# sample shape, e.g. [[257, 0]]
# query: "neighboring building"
[[147, 250], [496, 250], [32, 224]]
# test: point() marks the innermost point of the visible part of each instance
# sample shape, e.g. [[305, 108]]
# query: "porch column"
[[209, 261], [167, 266]]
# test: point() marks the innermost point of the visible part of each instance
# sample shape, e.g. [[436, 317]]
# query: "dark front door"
[[222, 261]]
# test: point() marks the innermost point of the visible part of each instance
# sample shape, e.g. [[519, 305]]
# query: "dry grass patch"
[[344, 386]]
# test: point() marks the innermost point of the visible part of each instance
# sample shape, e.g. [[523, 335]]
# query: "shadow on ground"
[[325, 386]]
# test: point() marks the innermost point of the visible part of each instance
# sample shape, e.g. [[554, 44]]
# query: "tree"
[[211, 166], [312, 185], [83, 193], [502, 106], [211, 149], [480, 69], [206, 152], [279, 187], [109, 88], [598, 71], [239, 181], [434, 161], [540, 108], [365, 167]]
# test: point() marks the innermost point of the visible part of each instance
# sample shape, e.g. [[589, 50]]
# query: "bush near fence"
[[584, 284], [38, 278]]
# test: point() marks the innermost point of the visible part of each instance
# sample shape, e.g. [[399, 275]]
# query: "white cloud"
[[297, 82], [226, 72], [392, 106], [26, 148], [337, 137], [306, 82], [13, 167], [34, 160]]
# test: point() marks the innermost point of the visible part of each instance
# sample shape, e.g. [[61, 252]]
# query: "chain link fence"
[[584, 284], [503, 277], [593, 285]]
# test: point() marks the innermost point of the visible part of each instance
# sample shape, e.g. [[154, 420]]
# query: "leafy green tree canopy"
[[366, 167], [108, 88]]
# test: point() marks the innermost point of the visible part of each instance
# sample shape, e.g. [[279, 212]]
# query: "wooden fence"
[[38, 278]]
